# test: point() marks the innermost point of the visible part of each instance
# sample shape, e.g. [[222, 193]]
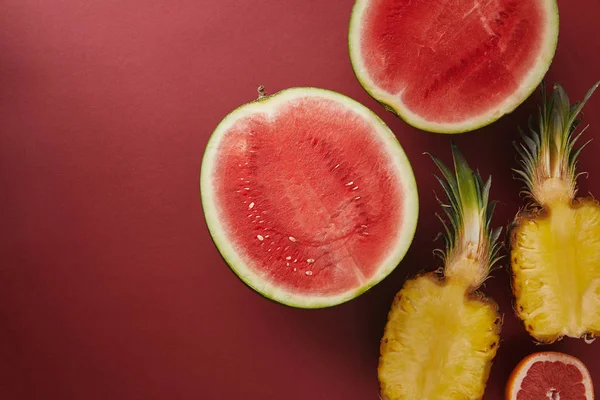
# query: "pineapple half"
[[442, 334], [555, 239]]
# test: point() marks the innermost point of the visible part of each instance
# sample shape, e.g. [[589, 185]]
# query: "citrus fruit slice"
[[550, 375], [452, 66], [308, 196]]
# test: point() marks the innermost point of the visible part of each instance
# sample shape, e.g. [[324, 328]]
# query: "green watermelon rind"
[[233, 259], [390, 102]]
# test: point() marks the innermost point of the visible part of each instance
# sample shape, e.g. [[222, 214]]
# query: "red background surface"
[[110, 287]]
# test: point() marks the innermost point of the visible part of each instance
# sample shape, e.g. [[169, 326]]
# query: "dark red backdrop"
[[110, 287]]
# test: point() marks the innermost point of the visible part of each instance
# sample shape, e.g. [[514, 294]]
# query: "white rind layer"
[[269, 105], [393, 101]]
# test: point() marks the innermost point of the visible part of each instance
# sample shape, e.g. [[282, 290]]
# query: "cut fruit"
[[450, 66], [442, 333], [555, 239], [308, 196], [550, 375]]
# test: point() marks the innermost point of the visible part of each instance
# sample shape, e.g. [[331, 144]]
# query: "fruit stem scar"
[[261, 92]]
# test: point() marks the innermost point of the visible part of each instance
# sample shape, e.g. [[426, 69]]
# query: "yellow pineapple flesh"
[[442, 334], [556, 267], [439, 342], [555, 240]]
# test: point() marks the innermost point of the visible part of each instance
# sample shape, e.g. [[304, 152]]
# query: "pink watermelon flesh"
[[308, 197], [454, 59]]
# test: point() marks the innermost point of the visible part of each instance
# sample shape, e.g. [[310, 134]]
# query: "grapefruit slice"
[[452, 66], [550, 375], [308, 196]]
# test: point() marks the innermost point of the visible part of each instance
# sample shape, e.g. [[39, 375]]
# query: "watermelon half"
[[308, 196], [452, 66]]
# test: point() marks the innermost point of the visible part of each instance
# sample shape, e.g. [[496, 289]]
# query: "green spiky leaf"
[[549, 151], [469, 212]]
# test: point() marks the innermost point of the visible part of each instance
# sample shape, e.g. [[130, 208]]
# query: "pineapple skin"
[[439, 341], [555, 260]]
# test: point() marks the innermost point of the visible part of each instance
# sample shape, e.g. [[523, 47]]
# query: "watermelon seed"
[[251, 206], [349, 183], [292, 239], [287, 264], [288, 258], [294, 269], [337, 166], [310, 260], [355, 187], [357, 198], [260, 237], [308, 273]]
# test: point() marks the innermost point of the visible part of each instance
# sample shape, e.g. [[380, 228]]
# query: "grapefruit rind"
[[520, 372], [393, 102], [232, 257]]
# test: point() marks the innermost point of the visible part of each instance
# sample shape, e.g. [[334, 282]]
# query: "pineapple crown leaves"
[[549, 151], [469, 212]]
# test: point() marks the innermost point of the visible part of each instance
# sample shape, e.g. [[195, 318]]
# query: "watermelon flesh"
[[310, 200], [451, 66]]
